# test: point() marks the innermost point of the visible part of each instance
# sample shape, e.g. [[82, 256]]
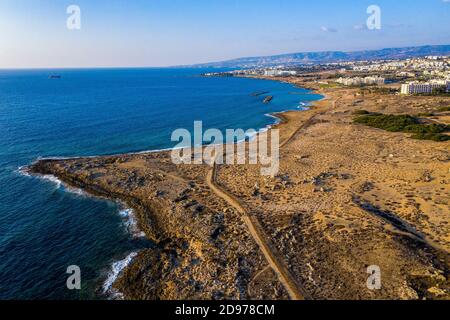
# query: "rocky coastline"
[[309, 211]]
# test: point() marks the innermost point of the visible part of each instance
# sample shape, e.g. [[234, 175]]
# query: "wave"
[[61, 185], [130, 222], [127, 214], [304, 106], [274, 116], [52, 179], [23, 171], [115, 271]]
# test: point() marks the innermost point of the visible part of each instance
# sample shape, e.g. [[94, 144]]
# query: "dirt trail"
[[295, 291], [256, 231]]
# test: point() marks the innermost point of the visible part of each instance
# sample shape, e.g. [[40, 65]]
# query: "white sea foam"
[[76, 191], [61, 185], [116, 269], [304, 106], [23, 170], [130, 222], [52, 179], [127, 214], [273, 115]]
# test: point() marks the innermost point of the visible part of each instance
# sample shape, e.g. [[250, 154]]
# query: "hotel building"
[[428, 87]]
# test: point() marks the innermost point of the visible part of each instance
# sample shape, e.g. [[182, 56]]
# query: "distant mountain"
[[329, 56]]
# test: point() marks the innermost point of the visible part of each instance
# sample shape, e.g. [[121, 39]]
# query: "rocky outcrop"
[[203, 250]]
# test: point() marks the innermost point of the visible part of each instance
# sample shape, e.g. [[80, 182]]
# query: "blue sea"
[[46, 227]]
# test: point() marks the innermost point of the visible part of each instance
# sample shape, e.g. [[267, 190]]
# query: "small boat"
[[54, 76], [268, 99]]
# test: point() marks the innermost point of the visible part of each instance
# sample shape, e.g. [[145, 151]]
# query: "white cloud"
[[328, 29], [360, 27], [400, 25]]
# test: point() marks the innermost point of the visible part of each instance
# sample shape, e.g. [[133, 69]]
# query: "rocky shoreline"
[[174, 218], [326, 239]]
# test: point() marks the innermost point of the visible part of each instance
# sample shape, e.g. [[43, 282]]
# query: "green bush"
[[426, 128], [360, 112], [431, 136], [407, 124], [329, 85], [389, 122], [426, 114], [444, 109]]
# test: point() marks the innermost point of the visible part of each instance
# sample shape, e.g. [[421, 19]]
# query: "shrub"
[[360, 112], [407, 124], [389, 122], [426, 128], [329, 85], [431, 136], [425, 114], [444, 109]]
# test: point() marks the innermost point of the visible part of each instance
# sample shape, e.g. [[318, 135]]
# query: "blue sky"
[[33, 33]]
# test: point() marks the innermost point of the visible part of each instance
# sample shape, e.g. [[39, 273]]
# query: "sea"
[[45, 226]]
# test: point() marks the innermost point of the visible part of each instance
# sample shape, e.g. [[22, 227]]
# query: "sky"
[[146, 33]]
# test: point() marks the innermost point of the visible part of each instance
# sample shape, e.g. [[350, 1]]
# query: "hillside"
[[327, 56]]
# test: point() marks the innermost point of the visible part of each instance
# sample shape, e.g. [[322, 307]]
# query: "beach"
[[346, 197]]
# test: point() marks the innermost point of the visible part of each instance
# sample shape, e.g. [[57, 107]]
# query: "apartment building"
[[427, 87]]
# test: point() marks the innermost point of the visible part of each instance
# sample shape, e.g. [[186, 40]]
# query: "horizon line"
[[216, 61]]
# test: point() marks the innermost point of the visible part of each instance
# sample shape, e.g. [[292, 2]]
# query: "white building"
[[279, 73], [374, 80], [428, 87], [406, 74], [357, 81]]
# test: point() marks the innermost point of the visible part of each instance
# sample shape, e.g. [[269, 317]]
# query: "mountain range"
[[328, 56]]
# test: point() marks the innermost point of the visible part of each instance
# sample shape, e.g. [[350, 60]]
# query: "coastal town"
[[427, 75]]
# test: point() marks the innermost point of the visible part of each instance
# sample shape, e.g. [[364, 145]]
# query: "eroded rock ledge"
[[204, 251]]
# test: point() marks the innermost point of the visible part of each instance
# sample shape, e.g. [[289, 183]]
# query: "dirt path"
[[274, 259], [253, 280], [256, 231]]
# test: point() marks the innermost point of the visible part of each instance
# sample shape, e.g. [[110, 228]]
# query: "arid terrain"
[[346, 197]]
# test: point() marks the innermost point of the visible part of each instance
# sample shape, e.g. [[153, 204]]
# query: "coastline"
[[133, 223], [172, 191], [129, 221], [118, 267]]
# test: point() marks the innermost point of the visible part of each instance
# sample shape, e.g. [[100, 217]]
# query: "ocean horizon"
[[46, 226]]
